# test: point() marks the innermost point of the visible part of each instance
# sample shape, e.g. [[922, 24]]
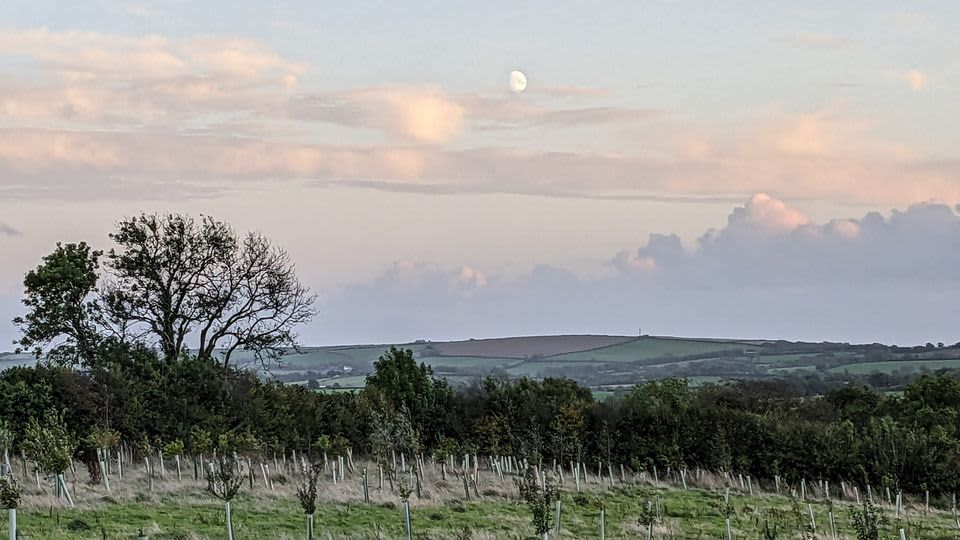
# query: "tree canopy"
[[171, 282]]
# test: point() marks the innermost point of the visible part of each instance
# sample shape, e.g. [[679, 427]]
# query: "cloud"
[[768, 272], [430, 115], [567, 92], [419, 114], [818, 41], [915, 79], [116, 80], [104, 115], [7, 230], [78, 55]]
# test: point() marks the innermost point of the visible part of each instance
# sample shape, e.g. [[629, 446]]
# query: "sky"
[[735, 169]]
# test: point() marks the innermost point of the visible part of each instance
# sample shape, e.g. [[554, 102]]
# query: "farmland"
[[602, 362], [607, 362]]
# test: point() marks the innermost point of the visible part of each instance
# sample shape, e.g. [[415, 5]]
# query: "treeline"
[[910, 441]]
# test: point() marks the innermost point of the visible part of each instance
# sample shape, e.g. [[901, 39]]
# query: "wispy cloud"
[[114, 116], [7, 230], [816, 40]]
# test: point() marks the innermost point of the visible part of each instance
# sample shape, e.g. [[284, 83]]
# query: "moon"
[[518, 82]]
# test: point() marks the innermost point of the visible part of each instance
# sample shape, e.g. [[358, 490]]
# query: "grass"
[[179, 509], [890, 367], [652, 347], [527, 346], [440, 362]]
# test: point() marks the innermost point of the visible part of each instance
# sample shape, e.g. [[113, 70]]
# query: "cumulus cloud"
[[768, 272]]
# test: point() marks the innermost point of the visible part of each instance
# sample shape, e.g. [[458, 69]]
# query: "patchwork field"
[[603, 362]]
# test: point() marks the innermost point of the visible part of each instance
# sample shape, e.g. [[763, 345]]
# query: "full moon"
[[518, 82]]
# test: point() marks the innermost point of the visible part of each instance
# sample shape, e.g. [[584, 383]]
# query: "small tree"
[[200, 441], [224, 483], [405, 489], [647, 517], [868, 521], [539, 500], [307, 495], [10, 499], [49, 446], [6, 442], [102, 440]]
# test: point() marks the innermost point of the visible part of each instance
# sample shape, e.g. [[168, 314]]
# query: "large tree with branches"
[[175, 283], [197, 284]]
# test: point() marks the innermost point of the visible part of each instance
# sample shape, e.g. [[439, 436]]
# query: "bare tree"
[[198, 285]]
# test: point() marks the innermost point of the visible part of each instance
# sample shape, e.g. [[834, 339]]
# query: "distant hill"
[[615, 361], [602, 361]]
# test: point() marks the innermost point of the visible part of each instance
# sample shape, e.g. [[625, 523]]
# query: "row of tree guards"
[[226, 474]]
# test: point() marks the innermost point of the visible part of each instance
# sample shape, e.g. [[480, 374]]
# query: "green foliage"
[[6, 435], [404, 487], [539, 499], [200, 441], [868, 521], [647, 515], [323, 443], [173, 448], [102, 437], [307, 491], [48, 444], [445, 448], [406, 391], [339, 445], [60, 311], [9, 492], [237, 441]]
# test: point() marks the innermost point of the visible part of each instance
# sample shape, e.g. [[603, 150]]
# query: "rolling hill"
[[605, 362]]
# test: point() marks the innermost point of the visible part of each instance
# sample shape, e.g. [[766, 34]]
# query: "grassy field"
[[693, 513], [653, 347], [890, 367], [525, 347], [180, 509]]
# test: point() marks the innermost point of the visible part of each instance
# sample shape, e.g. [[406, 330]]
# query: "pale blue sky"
[[367, 135]]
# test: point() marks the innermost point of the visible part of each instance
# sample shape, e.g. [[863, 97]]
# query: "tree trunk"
[[12, 523], [309, 526]]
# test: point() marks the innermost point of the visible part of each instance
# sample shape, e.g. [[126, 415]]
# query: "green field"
[[645, 348], [181, 510], [890, 367]]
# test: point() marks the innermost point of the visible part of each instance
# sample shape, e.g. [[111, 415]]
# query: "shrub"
[[868, 521], [307, 492], [9, 492], [539, 499], [48, 445]]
